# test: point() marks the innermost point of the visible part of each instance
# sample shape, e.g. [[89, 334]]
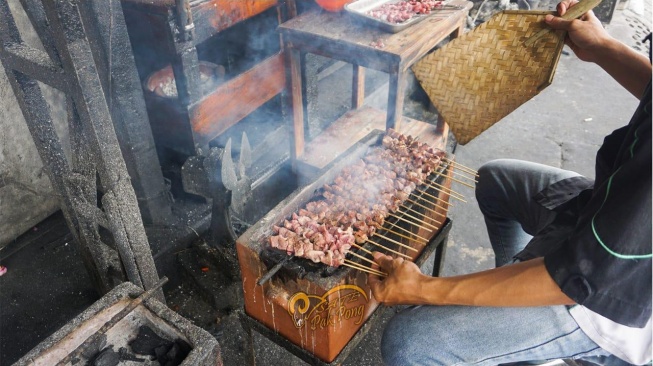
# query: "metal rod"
[[266, 277], [113, 321]]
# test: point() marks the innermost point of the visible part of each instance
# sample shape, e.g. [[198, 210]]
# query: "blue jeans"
[[467, 335]]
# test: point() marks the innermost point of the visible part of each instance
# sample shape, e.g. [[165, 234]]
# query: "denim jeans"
[[467, 335]]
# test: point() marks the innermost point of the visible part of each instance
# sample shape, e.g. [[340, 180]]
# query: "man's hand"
[[585, 36], [591, 42], [402, 286], [522, 284]]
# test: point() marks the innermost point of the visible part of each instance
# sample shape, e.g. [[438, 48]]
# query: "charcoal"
[[107, 357], [167, 353], [146, 342]]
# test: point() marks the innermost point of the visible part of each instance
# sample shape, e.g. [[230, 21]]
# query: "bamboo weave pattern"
[[482, 76]]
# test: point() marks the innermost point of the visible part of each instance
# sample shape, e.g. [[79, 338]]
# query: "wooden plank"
[[237, 98], [211, 17], [358, 87], [356, 124]]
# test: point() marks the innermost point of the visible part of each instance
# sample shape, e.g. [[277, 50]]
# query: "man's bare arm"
[[522, 284]]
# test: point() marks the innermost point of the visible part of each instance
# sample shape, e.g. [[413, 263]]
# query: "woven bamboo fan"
[[482, 76]]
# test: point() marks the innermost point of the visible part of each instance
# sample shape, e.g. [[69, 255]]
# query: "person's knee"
[[490, 182], [406, 341], [395, 343]]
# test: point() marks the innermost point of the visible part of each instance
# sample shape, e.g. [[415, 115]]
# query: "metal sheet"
[[359, 9]]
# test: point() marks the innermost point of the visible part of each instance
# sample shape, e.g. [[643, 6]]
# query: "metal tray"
[[359, 9]]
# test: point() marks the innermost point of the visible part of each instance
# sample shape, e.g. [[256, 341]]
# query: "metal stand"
[[72, 63], [438, 245]]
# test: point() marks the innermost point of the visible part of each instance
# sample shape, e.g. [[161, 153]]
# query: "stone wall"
[[26, 196]]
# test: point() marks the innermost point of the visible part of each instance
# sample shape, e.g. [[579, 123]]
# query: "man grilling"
[[573, 255]]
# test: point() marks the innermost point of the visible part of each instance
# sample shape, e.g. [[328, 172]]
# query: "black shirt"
[[605, 263]]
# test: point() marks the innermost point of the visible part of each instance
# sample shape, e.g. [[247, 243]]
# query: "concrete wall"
[[26, 196]]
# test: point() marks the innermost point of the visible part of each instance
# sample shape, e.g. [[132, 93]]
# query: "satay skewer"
[[410, 222], [459, 170], [425, 200], [432, 196], [421, 221], [451, 193], [426, 208], [445, 189], [419, 213], [364, 269], [361, 248], [456, 180], [460, 166], [408, 231], [449, 205], [406, 237], [388, 249], [394, 241], [361, 257], [465, 176]]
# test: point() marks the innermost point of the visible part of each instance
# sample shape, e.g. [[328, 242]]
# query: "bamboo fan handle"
[[572, 13]]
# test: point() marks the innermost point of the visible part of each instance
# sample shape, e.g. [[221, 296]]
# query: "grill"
[[316, 307]]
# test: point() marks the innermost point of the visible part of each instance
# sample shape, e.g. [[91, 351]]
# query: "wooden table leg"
[[294, 91], [396, 99], [358, 87]]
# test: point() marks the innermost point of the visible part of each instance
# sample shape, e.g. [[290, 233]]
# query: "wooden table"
[[340, 36]]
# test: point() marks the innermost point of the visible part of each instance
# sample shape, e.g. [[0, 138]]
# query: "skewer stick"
[[388, 249], [426, 208], [408, 231], [461, 167], [421, 221], [364, 269], [362, 257], [419, 213], [425, 200], [361, 248], [460, 170], [469, 177], [405, 237], [412, 223], [435, 198], [432, 196], [396, 242], [380, 273], [445, 189], [457, 180]]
